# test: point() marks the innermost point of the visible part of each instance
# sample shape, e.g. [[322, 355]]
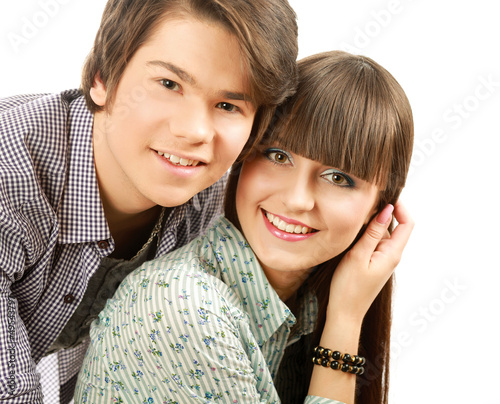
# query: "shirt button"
[[68, 299], [103, 245]]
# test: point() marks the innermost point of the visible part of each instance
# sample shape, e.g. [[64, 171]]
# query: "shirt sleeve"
[[19, 382], [320, 400], [26, 231], [178, 338]]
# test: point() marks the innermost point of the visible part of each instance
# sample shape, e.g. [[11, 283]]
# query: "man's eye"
[[171, 85], [226, 106]]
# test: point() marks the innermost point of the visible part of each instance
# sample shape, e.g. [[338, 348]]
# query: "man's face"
[[180, 117]]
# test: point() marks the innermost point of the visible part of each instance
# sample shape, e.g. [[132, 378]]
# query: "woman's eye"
[[226, 106], [338, 178], [278, 156], [171, 85]]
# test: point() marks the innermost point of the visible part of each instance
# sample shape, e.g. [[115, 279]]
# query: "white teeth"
[[178, 160], [284, 226]]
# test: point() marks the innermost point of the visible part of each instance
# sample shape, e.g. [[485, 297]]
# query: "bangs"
[[345, 115]]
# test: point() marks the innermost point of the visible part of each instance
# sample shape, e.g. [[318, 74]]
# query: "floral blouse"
[[199, 325]]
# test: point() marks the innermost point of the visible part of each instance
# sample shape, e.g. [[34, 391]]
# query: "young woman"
[[303, 258]]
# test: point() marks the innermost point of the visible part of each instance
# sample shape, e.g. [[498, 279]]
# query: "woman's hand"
[[365, 269]]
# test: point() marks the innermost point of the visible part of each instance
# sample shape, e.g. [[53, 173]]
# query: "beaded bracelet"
[[352, 363], [321, 352]]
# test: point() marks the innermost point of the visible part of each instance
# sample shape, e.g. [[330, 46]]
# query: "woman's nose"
[[299, 196]]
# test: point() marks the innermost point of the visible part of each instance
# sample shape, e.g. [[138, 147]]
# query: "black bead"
[[347, 358], [336, 355], [325, 362], [345, 367]]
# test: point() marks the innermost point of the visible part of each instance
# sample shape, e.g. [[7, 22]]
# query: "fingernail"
[[384, 216]]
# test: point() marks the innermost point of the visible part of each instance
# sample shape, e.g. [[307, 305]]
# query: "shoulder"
[[37, 119], [33, 163], [35, 125], [174, 286], [38, 104], [18, 101], [180, 280]]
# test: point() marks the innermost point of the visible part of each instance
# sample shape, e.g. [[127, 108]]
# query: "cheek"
[[247, 191], [344, 231], [244, 187], [347, 221], [233, 133]]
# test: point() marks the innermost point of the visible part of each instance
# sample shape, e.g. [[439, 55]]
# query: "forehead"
[[203, 52]]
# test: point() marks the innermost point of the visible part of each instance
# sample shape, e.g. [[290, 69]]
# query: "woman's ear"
[[98, 91], [374, 212]]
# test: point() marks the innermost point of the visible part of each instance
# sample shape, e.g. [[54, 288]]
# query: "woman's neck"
[[285, 283]]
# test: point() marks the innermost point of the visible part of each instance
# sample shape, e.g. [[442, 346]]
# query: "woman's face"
[[297, 213]]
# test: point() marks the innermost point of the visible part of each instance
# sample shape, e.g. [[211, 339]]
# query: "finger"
[[400, 235], [376, 231], [402, 231]]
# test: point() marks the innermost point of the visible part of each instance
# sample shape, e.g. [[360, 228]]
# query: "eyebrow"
[[184, 75], [230, 95]]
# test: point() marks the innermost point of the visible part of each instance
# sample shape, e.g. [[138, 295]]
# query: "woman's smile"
[[279, 225]]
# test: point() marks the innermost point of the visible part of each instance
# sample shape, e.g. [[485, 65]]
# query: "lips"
[[178, 160]]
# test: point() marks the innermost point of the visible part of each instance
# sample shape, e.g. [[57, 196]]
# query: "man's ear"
[[98, 91]]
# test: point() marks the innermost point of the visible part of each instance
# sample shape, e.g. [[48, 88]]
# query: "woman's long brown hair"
[[348, 113]]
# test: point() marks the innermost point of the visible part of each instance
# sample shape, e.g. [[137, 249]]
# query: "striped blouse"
[[199, 325]]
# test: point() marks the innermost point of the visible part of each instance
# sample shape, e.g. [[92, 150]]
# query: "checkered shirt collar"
[[81, 215]]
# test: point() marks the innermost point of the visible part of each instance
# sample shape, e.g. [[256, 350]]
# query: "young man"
[[95, 182]]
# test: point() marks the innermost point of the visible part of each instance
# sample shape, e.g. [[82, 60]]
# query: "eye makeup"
[[278, 156], [338, 178]]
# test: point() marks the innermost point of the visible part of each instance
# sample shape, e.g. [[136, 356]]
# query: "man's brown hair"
[[266, 31]]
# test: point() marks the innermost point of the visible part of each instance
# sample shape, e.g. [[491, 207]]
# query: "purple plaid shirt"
[[53, 232]]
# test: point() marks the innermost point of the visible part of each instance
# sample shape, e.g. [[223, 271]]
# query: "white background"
[[446, 55]]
